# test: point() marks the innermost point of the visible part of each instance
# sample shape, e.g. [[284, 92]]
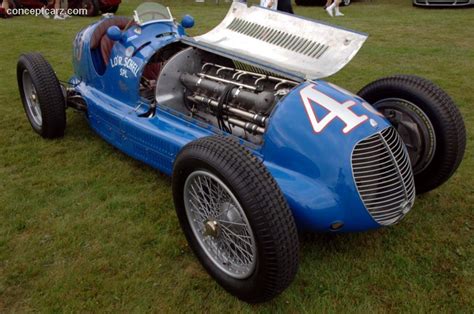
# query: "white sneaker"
[[58, 17], [46, 16], [338, 13], [66, 16], [329, 11]]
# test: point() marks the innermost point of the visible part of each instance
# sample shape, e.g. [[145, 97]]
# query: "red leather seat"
[[152, 70], [106, 45], [99, 38]]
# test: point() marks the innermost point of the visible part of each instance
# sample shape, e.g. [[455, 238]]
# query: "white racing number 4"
[[310, 95]]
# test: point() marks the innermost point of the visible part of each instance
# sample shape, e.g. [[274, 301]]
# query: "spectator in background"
[[285, 6], [269, 4], [333, 9], [4, 9], [57, 14]]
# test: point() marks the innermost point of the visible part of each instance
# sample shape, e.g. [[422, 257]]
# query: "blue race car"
[[259, 147]]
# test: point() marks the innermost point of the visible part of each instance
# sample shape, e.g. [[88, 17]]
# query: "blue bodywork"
[[312, 169]]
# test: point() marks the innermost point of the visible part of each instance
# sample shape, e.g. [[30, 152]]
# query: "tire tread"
[[50, 96], [272, 215], [452, 128]]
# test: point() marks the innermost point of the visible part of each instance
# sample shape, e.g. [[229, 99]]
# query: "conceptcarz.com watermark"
[[46, 11]]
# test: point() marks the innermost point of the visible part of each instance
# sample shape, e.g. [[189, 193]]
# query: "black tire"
[[92, 7], [346, 2], [438, 156], [265, 207], [110, 9], [47, 92]]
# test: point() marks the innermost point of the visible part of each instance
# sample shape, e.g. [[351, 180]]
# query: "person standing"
[[269, 4], [4, 9], [285, 6], [333, 9], [58, 15]]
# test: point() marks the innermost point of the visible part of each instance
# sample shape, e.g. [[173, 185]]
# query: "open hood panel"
[[281, 43]]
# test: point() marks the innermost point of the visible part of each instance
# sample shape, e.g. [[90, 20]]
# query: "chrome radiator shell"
[[383, 176]]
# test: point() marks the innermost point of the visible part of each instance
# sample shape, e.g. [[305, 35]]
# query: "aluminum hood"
[[281, 43]]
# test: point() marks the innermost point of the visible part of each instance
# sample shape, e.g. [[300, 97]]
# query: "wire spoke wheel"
[[32, 104], [41, 95], [235, 218], [220, 224]]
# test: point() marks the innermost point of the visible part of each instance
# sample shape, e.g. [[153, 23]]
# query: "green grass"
[[85, 228]]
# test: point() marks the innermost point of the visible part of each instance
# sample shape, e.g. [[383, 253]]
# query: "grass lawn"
[[85, 228]]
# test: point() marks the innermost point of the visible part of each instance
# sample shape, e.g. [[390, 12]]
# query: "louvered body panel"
[[285, 44]]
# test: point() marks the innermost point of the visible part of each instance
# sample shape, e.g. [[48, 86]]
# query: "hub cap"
[[32, 104], [414, 127], [219, 224]]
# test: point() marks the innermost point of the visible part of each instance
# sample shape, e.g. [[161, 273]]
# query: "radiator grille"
[[383, 176]]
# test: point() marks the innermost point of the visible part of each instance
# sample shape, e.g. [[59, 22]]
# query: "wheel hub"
[[211, 228], [414, 127], [32, 105]]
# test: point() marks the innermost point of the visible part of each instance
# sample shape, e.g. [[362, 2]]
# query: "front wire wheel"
[[220, 224], [235, 218]]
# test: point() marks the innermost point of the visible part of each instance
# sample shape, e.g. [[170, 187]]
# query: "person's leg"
[[3, 9], [330, 8], [5, 5], [336, 10], [64, 4], [57, 6], [328, 3], [43, 11], [290, 8], [285, 6]]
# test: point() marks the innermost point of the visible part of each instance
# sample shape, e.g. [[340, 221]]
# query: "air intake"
[[383, 176]]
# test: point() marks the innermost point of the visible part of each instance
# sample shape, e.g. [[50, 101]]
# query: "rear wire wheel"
[[235, 218], [41, 94]]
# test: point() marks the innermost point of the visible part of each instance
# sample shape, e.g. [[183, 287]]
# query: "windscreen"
[[150, 12]]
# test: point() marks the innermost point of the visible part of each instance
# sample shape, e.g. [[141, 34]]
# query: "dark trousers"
[[285, 6]]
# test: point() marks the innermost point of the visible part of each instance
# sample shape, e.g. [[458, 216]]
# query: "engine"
[[229, 95]]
